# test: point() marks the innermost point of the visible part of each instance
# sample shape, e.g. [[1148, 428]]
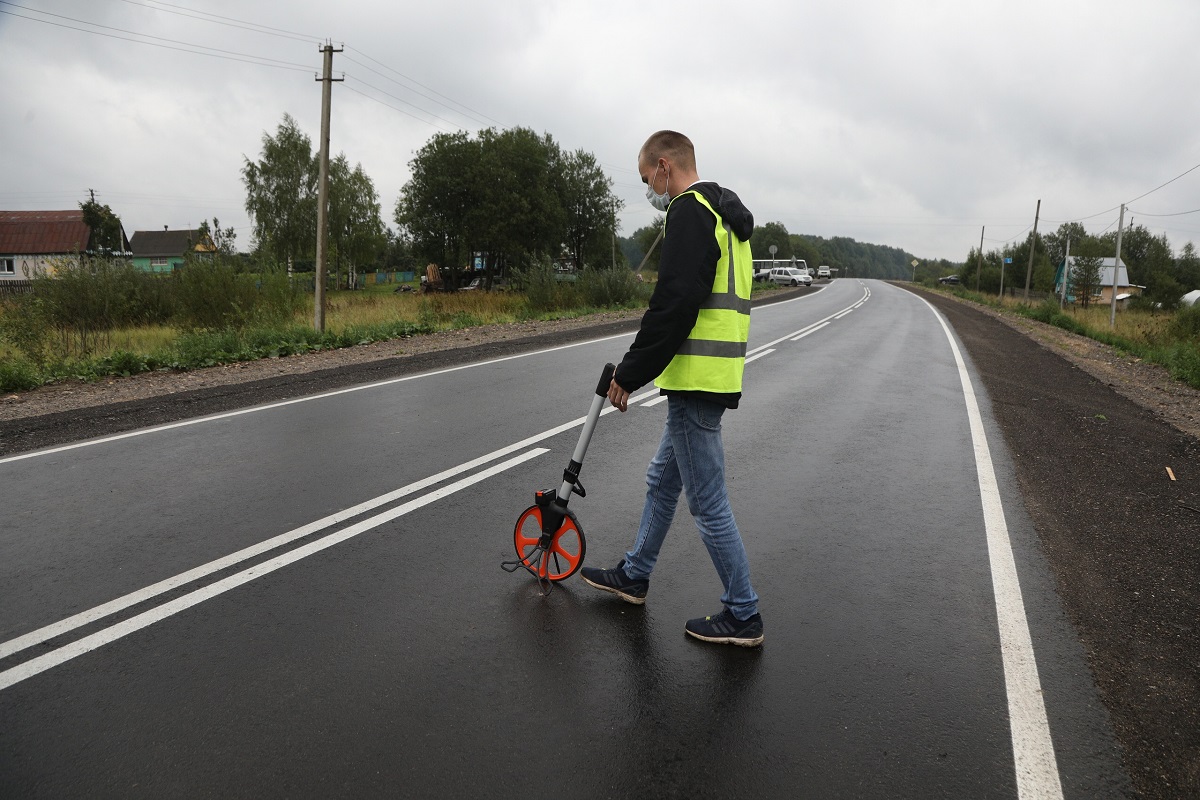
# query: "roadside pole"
[[979, 268], [1112, 320], [326, 80], [1032, 248]]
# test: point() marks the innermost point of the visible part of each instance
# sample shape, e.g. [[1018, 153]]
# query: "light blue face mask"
[[659, 201]]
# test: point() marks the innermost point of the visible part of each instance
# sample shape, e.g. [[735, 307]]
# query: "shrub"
[[18, 375], [215, 294], [543, 291], [24, 325], [609, 287], [1186, 324]]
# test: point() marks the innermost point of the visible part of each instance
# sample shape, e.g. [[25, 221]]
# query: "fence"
[[15, 287]]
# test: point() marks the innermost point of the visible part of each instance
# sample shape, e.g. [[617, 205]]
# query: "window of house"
[[158, 262], [7, 266]]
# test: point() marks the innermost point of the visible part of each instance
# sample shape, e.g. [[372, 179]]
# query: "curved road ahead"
[[305, 599]]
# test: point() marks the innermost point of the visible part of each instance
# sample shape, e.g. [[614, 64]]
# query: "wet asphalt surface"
[[403, 662]]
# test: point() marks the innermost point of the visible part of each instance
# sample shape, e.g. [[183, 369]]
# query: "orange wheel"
[[565, 556]]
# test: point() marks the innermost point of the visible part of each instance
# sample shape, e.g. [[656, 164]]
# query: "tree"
[[773, 233], [1187, 268], [433, 206], [281, 194], [1056, 242], [589, 208], [1084, 279], [108, 236], [356, 231]]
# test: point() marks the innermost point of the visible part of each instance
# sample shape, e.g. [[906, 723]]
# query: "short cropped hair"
[[671, 145]]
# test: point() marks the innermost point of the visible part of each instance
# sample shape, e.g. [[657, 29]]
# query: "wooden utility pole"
[[979, 269], [1112, 320], [326, 80], [1032, 248]]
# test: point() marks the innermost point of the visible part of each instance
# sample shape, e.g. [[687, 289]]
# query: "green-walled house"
[[164, 251]]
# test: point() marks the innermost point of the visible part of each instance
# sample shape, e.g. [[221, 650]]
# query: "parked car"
[[950, 280], [762, 275], [823, 272], [790, 276]]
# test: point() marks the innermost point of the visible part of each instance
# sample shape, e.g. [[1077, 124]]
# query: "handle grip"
[[605, 379]]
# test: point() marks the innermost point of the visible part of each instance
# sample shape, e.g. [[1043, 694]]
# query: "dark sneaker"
[[616, 581], [725, 628]]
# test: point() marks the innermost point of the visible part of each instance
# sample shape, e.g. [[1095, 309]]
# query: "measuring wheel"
[[563, 554]]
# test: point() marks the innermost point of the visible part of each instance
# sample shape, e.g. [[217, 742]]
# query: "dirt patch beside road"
[[1091, 451]]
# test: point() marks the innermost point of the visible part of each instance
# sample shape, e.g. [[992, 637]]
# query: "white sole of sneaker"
[[628, 598], [726, 639]]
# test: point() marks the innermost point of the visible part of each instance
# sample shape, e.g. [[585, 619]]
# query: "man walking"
[[692, 344]]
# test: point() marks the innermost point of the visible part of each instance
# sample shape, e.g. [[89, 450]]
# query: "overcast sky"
[[902, 123]]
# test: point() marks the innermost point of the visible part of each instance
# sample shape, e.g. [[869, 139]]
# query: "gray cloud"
[[909, 124]]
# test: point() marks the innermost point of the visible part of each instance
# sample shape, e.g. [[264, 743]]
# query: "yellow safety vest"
[[713, 356]]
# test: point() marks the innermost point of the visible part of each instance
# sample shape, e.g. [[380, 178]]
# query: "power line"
[[246, 26], [218, 19], [1176, 214], [398, 83], [477, 114], [401, 110], [1156, 188], [246, 59]]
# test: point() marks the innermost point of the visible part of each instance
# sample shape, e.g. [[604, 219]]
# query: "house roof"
[[164, 244], [34, 233], [1106, 272]]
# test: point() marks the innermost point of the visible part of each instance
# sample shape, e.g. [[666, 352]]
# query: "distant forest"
[[849, 257]]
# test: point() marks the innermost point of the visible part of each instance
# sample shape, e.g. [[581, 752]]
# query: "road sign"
[[915, 262], [1007, 260]]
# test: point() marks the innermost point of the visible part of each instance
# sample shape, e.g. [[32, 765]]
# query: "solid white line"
[[660, 399], [282, 403], [810, 330], [844, 313], [1033, 749], [758, 354], [111, 634]]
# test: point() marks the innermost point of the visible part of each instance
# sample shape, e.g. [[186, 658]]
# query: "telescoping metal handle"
[[571, 474]]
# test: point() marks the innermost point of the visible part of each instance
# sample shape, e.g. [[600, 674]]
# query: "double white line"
[[116, 631]]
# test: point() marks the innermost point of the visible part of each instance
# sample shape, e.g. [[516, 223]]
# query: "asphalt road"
[[306, 599]]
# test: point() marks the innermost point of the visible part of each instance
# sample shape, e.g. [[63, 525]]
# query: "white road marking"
[[1033, 749], [660, 399], [866, 293], [844, 313], [118, 604], [141, 595], [810, 330], [759, 354], [110, 634]]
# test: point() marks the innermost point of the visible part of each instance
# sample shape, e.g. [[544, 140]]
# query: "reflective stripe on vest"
[[712, 358]]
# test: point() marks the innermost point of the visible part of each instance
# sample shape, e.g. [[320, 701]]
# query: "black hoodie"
[[687, 269]]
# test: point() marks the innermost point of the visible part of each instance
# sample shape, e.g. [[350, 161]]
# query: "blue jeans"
[[691, 458]]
